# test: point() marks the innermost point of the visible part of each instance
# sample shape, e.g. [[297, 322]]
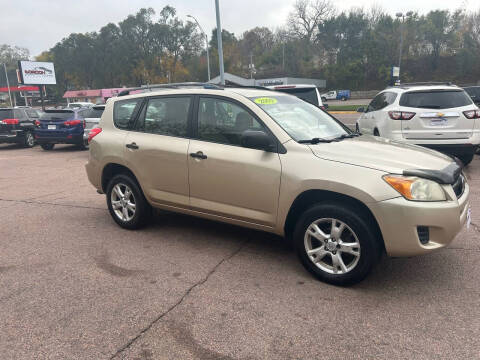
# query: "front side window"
[[223, 121], [301, 120], [167, 116], [123, 112], [435, 99]]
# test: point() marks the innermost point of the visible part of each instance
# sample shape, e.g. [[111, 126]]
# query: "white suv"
[[441, 117]]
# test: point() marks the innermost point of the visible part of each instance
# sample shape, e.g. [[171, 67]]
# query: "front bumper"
[[399, 218]]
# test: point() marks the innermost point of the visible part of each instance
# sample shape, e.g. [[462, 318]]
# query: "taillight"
[[10, 121], [472, 114], [84, 124], [94, 132], [72, 122], [401, 115], [37, 123]]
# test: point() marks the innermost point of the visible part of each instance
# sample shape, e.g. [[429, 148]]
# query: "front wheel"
[[47, 146], [126, 202], [28, 140], [336, 245], [357, 128], [324, 99]]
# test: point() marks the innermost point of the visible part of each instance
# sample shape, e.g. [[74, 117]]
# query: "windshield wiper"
[[345, 136], [314, 141]]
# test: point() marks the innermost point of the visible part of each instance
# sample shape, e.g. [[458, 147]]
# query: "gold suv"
[[272, 162]]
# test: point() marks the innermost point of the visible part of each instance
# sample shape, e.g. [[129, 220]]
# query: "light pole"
[[206, 44], [402, 16], [8, 85], [220, 47]]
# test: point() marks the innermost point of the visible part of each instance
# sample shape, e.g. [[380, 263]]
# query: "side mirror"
[[361, 109], [325, 106], [255, 139]]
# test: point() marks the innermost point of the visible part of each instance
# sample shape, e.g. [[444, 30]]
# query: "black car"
[[474, 92], [17, 125]]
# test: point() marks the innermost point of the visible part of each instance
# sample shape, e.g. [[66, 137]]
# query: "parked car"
[[309, 93], [17, 125], [270, 161], [474, 92], [92, 119], [336, 95], [78, 105], [441, 117], [65, 126]]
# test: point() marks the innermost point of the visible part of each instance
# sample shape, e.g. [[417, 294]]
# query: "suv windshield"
[[435, 99], [301, 120]]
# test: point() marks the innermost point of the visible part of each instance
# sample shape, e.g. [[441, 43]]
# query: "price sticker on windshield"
[[265, 101]]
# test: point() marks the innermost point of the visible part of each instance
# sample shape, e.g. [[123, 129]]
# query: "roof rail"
[[246, 87], [427, 83], [170, 86]]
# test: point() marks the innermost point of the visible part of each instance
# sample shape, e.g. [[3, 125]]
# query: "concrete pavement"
[[73, 285]]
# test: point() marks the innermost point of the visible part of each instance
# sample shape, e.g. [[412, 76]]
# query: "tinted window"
[[6, 114], [474, 93], [167, 116], [32, 113], [223, 121], [57, 115], [381, 101], [123, 112], [435, 99], [307, 94]]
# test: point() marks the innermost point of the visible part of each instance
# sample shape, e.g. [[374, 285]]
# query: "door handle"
[[132, 146], [198, 155]]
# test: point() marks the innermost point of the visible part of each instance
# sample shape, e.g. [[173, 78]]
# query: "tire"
[[466, 159], [47, 146], [28, 140], [83, 145], [134, 218], [344, 99], [324, 99], [376, 132], [357, 128], [358, 257]]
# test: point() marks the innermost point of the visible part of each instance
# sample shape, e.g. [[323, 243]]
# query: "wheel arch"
[[308, 198], [112, 169]]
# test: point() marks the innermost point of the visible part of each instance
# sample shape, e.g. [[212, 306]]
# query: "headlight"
[[417, 189]]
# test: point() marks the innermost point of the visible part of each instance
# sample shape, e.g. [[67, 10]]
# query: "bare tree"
[[303, 21]]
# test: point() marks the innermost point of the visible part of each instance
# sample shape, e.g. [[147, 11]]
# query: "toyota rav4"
[[270, 161]]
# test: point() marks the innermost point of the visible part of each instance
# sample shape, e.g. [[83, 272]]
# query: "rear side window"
[[57, 115], [435, 99], [166, 116], [6, 114], [382, 100], [474, 93], [307, 94], [124, 111]]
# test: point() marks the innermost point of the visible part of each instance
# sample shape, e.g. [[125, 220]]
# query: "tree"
[[307, 15]]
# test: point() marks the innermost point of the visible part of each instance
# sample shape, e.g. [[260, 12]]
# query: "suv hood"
[[381, 154]]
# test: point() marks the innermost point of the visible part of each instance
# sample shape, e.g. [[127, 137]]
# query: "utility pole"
[[206, 44], [8, 85], [220, 47], [251, 66]]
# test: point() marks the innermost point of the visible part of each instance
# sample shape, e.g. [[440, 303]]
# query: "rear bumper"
[[69, 139], [12, 137]]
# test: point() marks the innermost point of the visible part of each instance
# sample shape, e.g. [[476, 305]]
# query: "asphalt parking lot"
[[74, 285]]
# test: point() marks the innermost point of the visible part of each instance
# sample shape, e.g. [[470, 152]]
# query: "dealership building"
[[231, 79], [97, 96]]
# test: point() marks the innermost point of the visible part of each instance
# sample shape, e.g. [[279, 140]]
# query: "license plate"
[[52, 127], [469, 217], [438, 122]]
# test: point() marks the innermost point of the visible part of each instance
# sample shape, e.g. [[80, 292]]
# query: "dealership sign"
[[37, 73]]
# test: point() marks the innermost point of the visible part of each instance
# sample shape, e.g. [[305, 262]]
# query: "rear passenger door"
[[156, 149], [227, 179]]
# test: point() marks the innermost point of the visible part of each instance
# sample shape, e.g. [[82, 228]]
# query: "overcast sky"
[[39, 24]]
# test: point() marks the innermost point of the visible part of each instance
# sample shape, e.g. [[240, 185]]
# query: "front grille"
[[423, 234], [459, 186]]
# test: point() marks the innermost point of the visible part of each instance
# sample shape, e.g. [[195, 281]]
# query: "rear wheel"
[[28, 140], [357, 128], [47, 146], [126, 202], [344, 99], [335, 244], [83, 145], [376, 132], [466, 159]]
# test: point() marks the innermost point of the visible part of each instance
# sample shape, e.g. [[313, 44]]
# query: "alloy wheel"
[[123, 202], [332, 246]]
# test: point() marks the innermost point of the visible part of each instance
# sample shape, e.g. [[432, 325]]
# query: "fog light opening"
[[423, 234]]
